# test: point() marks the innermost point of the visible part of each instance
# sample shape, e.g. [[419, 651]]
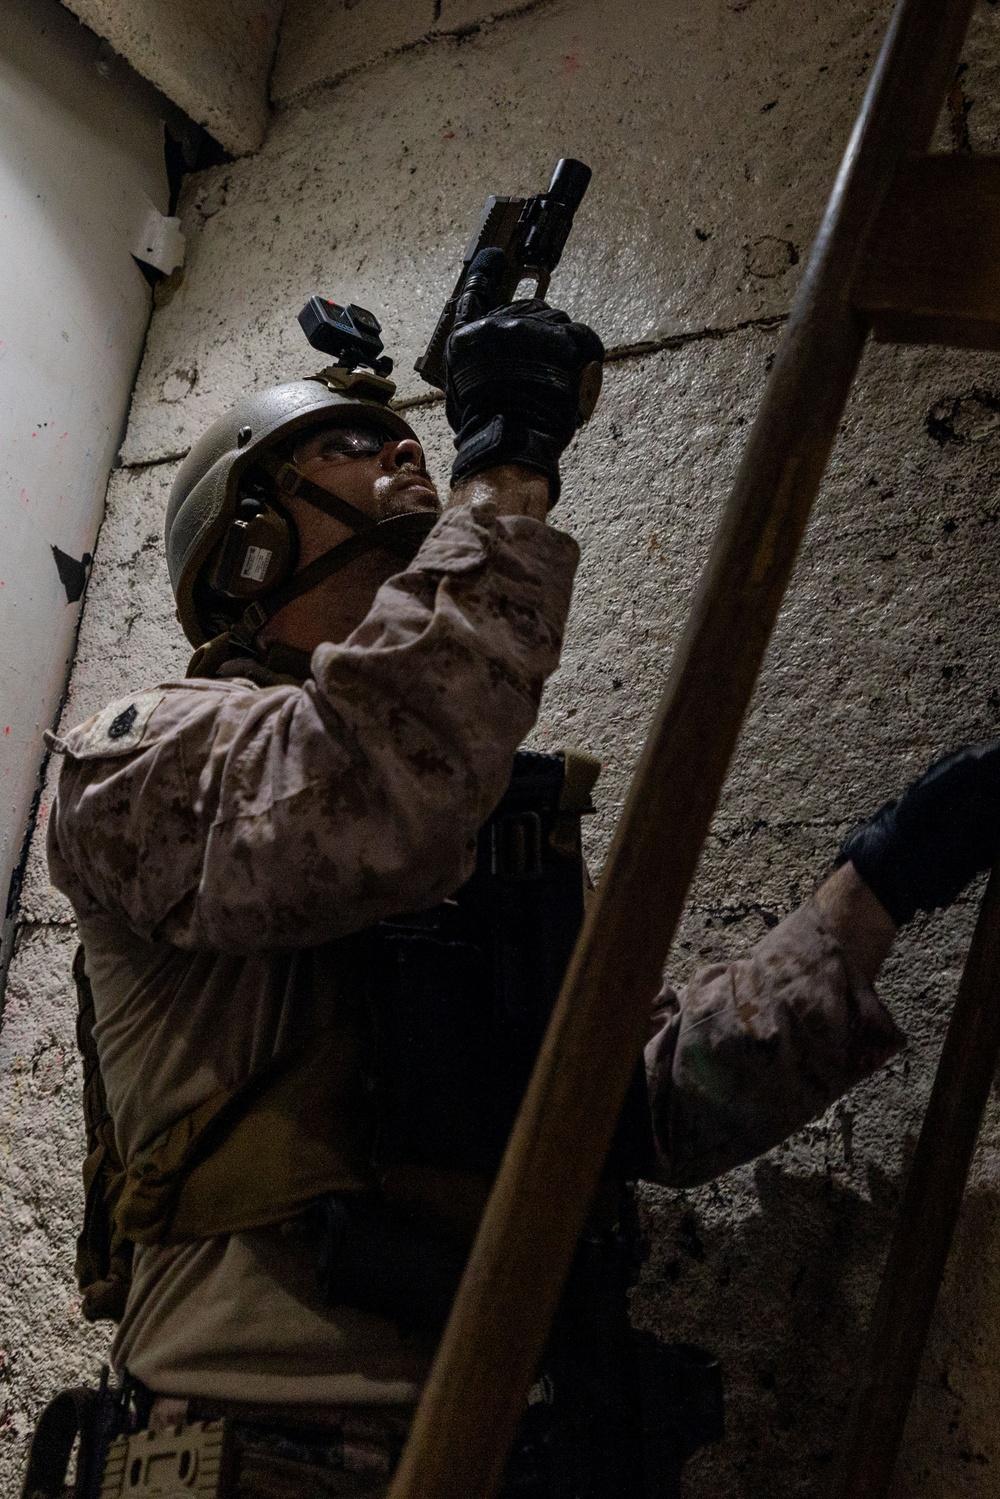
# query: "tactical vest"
[[457, 997]]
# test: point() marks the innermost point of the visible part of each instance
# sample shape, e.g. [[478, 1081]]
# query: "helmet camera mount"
[[350, 334]]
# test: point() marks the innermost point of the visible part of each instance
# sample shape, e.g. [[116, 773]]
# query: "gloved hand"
[[920, 852], [520, 380]]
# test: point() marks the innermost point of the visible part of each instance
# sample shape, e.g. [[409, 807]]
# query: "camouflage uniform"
[[214, 836]]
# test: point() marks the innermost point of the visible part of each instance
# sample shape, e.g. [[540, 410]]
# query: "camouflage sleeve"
[[751, 1051], [237, 819]]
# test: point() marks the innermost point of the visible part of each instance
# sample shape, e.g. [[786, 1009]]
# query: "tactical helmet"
[[245, 446]]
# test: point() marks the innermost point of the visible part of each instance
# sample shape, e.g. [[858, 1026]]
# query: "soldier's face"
[[380, 476]]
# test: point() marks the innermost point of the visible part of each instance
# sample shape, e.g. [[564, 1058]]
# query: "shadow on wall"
[[794, 1327]]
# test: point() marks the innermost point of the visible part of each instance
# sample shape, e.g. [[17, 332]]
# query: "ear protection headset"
[[259, 551]]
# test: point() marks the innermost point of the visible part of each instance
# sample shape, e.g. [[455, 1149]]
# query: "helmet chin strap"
[[400, 535]]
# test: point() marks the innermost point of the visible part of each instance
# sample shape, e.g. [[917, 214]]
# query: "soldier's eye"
[[349, 444]]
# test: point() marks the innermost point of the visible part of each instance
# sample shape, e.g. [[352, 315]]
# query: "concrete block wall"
[[714, 133], [211, 57]]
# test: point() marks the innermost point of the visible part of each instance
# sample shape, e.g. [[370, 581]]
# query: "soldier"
[[298, 1182]]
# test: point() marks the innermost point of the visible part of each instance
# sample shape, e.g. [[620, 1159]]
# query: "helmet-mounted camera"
[[350, 334]]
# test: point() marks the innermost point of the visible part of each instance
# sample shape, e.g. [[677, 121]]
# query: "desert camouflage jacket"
[[214, 835]]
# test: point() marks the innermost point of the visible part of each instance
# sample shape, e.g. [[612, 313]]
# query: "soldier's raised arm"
[[257, 805]]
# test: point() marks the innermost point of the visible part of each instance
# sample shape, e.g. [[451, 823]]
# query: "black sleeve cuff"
[[506, 440]]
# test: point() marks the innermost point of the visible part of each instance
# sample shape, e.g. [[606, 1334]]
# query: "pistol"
[[531, 233]]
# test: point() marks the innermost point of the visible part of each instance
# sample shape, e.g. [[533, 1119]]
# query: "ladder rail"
[[475, 1392], [925, 1224]]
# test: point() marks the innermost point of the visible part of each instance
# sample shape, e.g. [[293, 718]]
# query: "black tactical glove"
[[918, 853], [520, 380]]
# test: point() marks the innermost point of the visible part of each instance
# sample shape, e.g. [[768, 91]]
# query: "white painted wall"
[[81, 150]]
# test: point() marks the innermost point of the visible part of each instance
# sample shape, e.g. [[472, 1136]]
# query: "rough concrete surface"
[[321, 41], [368, 192], [455, 15], [891, 599], [211, 57], [44, 1343], [885, 653]]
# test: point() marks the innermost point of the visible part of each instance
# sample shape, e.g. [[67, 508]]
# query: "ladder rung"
[[931, 272]]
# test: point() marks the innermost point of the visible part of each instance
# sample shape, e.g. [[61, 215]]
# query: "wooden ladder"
[[906, 251]]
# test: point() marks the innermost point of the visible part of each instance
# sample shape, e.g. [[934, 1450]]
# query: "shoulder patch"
[[116, 730]]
